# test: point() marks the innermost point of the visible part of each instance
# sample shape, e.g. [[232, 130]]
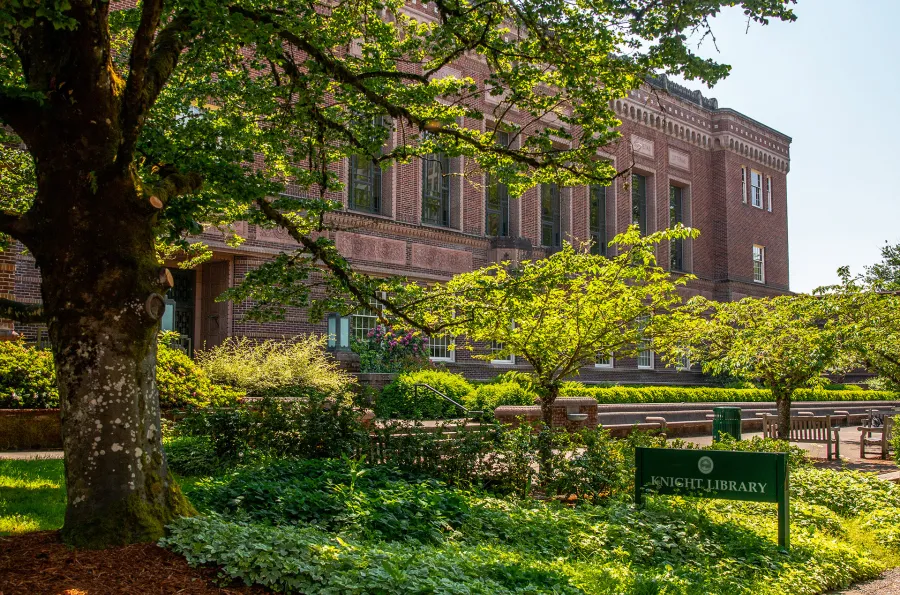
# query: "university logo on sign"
[[730, 475]]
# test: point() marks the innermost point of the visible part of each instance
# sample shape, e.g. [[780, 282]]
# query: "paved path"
[[887, 584], [25, 455]]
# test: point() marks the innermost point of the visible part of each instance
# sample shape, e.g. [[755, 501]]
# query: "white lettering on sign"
[[709, 485]]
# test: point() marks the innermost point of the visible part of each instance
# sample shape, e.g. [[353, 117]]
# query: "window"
[[338, 332], [676, 216], [436, 189], [496, 200], [365, 319], [604, 361], [639, 202], [684, 362], [645, 354], [769, 191], [496, 347], [364, 182], [756, 190], [550, 218], [743, 184], [441, 348], [599, 240], [759, 264]]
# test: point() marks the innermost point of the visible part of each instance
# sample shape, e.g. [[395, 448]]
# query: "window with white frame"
[[496, 348], [759, 264], [365, 319], [441, 348], [756, 189], [769, 191], [645, 354], [604, 361], [684, 361], [743, 184]]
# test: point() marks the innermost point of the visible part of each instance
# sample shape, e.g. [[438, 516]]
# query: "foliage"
[[702, 394], [778, 343], [401, 398], [315, 426], [340, 495], [559, 312], [865, 320], [884, 275], [884, 522], [182, 383], [27, 377], [488, 397], [313, 527], [32, 495], [848, 493], [287, 368], [388, 349], [192, 456]]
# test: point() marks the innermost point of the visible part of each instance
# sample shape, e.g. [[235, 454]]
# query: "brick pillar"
[[7, 285]]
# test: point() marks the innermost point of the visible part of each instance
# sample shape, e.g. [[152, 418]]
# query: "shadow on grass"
[[32, 496]]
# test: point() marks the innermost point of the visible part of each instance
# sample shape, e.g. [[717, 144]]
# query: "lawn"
[[32, 496]]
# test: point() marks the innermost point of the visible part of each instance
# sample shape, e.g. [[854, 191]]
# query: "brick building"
[[711, 168]]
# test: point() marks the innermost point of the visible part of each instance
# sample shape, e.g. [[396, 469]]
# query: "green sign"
[[726, 474]]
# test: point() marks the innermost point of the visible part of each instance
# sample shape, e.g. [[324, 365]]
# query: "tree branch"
[[19, 111], [20, 312], [153, 71], [17, 226]]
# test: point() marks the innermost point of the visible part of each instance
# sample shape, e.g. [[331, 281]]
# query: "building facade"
[[687, 160]]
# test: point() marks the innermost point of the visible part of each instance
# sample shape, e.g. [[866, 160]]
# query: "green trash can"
[[726, 420]]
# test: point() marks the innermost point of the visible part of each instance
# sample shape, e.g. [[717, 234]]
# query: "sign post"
[[726, 474]]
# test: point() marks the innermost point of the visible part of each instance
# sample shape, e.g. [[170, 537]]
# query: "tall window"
[[550, 218], [496, 200], [639, 202], [364, 319], [599, 237], [756, 189], [436, 189], [769, 191], [676, 216], [645, 354], [364, 184], [743, 184], [759, 264]]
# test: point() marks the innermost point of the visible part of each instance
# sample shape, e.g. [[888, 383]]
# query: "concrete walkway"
[[27, 455], [887, 584]]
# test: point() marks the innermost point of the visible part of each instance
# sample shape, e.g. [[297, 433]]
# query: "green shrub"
[[847, 493], [399, 398], [191, 456], [27, 377], [388, 349], [488, 397], [275, 368], [680, 394], [182, 383], [314, 426]]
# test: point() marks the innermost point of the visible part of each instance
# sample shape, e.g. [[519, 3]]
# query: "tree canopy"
[[144, 121]]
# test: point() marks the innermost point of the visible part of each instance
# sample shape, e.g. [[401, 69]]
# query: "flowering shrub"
[[387, 349], [27, 377]]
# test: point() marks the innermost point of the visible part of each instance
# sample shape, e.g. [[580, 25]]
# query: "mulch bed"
[[39, 564]]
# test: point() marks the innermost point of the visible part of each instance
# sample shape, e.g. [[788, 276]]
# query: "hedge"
[[488, 397], [679, 394], [400, 400]]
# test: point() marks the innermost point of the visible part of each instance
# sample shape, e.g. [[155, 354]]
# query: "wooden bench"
[[810, 429], [882, 438]]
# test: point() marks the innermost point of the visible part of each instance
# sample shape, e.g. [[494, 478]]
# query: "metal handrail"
[[443, 396]]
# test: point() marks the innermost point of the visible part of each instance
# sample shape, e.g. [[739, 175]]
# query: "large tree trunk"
[[783, 404], [102, 289]]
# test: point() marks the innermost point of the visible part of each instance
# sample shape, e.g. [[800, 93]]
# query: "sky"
[[831, 81]]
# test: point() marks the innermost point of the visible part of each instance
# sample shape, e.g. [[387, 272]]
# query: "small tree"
[[559, 313], [779, 343], [866, 321]]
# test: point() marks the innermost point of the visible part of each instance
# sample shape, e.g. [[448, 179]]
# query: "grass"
[[32, 496]]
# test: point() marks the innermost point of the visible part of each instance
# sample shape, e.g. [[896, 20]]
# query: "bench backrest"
[[803, 429]]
